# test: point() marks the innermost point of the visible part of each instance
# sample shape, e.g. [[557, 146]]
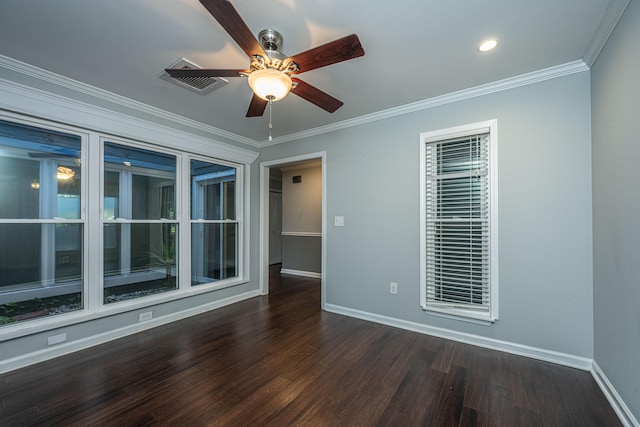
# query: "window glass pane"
[[40, 263], [139, 260], [111, 250], [214, 188], [214, 252], [138, 184], [68, 238], [40, 270], [37, 168], [152, 197], [111, 195]]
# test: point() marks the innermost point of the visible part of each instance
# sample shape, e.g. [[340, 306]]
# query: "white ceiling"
[[414, 49]]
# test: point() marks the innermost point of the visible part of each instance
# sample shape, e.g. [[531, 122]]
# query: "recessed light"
[[488, 45]]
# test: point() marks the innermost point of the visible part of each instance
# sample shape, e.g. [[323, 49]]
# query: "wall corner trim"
[[614, 12], [618, 405]]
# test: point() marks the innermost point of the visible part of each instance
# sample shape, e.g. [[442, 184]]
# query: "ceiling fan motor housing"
[[272, 41]]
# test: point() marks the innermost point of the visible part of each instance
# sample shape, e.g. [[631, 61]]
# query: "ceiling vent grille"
[[201, 85]]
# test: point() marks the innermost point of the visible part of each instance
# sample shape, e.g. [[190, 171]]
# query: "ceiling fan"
[[270, 71]]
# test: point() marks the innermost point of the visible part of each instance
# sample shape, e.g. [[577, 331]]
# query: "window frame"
[[450, 310], [46, 289], [127, 224], [240, 207]]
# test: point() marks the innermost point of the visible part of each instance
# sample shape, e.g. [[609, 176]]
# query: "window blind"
[[457, 223]]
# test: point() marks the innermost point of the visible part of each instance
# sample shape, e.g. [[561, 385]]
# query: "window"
[[214, 222], [93, 224], [41, 222], [140, 224], [459, 222]]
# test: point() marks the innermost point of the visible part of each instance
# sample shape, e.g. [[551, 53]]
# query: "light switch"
[[339, 221]]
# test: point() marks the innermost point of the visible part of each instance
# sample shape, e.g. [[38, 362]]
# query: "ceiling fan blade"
[[257, 106], [316, 96], [202, 72], [224, 12], [343, 49]]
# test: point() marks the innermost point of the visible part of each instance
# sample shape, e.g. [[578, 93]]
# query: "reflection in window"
[[214, 222], [41, 226], [140, 222]]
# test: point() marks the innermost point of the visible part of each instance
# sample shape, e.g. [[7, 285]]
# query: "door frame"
[[265, 168]]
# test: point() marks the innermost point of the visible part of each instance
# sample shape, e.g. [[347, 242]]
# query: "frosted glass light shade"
[[270, 83]]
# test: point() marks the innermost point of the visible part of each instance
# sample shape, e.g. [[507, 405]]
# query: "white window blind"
[[457, 202]]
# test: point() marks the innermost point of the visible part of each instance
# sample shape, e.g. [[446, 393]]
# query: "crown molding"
[[614, 12], [68, 83], [26, 100], [485, 89]]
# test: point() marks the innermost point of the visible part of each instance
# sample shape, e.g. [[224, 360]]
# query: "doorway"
[[290, 163]]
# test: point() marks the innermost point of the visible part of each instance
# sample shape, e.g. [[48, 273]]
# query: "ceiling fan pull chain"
[[270, 125]]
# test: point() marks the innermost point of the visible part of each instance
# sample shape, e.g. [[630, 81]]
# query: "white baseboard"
[[311, 274], [81, 344], [509, 347], [618, 405]]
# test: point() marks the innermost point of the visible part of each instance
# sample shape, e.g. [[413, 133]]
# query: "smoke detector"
[[201, 85]]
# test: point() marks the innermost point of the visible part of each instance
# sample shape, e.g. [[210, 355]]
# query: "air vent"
[[201, 85]]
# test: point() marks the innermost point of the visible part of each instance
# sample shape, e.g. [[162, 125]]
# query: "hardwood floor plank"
[[500, 406], [415, 401], [451, 401], [278, 360], [479, 364]]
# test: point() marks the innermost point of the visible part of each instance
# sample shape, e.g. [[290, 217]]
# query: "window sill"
[[478, 318]]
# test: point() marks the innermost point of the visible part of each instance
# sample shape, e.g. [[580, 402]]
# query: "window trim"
[[185, 146], [241, 206], [466, 314]]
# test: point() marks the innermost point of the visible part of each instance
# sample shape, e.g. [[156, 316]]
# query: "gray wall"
[[303, 254], [302, 214], [616, 207], [545, 239]]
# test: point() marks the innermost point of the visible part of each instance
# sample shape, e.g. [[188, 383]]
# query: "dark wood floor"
[[278, 360]]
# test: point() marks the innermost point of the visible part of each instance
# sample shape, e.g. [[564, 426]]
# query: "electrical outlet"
[[147, 315], [338, 221], [393, 288], [57, 339]]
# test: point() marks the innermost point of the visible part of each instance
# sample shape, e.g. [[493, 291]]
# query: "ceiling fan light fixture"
[[270, 84], [64, 174]]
